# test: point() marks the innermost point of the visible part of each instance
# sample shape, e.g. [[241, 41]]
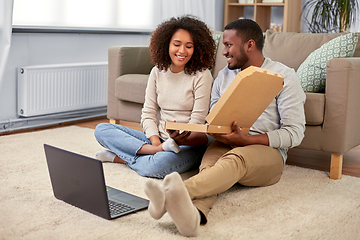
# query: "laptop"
[[79, 181]]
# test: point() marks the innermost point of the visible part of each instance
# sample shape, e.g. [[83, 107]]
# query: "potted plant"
[[330, 15]]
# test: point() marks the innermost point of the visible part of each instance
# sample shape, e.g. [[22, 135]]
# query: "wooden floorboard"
[[95, 122], [321, 161]]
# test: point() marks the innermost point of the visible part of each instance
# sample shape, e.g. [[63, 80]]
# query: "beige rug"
[[305, 204]]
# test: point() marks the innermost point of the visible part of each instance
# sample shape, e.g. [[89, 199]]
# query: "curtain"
[[203, 9], [6, 7]]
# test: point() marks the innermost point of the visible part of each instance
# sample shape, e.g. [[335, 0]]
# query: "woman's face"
[[181, 49]]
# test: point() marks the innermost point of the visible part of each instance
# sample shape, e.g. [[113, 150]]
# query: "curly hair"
[[204, 44]]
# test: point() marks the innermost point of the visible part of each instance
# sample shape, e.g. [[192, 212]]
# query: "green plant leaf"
[[330, 15]]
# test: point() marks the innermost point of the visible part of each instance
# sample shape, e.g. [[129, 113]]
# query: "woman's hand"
[[180, 138]]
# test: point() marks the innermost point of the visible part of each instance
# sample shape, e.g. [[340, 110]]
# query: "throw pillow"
[[312, 72], [216, 37]]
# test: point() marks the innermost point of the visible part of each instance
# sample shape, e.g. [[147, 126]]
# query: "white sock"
[[171, 146], [157, 199], [105, 156], [180, 207]]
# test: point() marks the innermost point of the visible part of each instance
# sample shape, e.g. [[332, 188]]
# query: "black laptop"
[[79, 181]]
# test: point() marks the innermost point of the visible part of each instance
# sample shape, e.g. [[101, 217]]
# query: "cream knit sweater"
[[179, 96]]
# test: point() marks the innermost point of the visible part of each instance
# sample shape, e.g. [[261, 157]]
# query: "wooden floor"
[[298, 157]]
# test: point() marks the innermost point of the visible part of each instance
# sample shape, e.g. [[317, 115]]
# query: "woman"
[[183, 51]]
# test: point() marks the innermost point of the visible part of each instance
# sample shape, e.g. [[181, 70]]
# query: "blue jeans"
[[126, 142]]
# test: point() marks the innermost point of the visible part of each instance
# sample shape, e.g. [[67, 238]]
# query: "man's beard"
[[240, 62]]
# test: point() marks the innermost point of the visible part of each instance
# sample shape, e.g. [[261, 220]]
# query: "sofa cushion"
[[131, 87], [314, 108], [292, 49], [216, 36], [220, 61], [312, 72]]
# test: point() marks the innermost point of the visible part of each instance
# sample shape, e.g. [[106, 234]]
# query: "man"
[[256, 159]]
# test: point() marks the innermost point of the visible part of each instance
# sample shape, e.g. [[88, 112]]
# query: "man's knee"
[[263, 166]]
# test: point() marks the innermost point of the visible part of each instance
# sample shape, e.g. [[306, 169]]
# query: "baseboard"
[[21, 124]]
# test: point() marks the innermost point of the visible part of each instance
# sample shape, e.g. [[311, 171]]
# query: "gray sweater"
[[284, 119]]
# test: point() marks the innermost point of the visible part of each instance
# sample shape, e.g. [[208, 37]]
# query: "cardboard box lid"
[[246, 98]]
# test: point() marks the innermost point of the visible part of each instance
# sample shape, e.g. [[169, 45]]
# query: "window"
[[86, 14]]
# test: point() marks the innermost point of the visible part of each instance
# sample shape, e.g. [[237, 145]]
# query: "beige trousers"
[[222, 166]]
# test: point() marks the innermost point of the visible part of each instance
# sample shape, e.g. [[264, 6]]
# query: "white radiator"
[[58, 88]]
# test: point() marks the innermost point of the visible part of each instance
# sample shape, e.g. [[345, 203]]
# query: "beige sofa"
[[332, 117]]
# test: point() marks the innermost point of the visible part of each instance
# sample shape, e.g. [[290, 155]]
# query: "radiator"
[[48, 89]]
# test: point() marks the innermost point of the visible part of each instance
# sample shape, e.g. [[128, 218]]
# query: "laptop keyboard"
[[117, 208]]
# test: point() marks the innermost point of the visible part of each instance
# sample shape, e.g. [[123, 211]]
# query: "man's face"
[[234, 50]]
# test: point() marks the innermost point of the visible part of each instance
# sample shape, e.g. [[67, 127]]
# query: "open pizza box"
[[246, 98]]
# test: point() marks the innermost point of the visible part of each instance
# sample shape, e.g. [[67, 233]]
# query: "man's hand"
[[238, 138]]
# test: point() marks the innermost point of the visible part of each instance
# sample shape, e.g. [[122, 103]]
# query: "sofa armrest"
[[341, 126], [124, 60], [128, 60]]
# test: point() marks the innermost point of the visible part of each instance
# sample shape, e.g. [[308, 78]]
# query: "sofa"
[[332, 115]]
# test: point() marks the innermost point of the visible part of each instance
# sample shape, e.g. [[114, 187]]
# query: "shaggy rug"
[[305, 204]]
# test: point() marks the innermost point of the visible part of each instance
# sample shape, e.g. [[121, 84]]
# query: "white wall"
[[52, 48]]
